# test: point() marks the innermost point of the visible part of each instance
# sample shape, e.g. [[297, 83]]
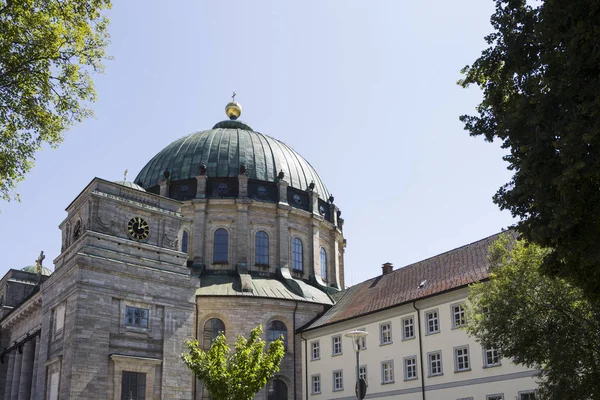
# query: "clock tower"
[[122, 301]]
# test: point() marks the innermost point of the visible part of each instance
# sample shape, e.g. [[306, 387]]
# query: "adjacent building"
[[415, 349]]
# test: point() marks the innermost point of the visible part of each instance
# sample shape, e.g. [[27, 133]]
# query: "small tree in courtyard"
[[238, 375]]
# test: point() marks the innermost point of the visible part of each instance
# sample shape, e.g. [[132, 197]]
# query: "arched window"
[[212, 328], [184, 242], [323, 263], [221, 246], [297, 254], [277, 328], [277, 390], [262, 248]]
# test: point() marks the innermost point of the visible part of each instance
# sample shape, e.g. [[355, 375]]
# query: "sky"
[[364, 90]]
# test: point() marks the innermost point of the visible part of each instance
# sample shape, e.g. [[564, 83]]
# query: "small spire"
[[233, 96], [125, 175]]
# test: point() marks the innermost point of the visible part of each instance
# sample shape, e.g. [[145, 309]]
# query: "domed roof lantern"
[[233, 109]]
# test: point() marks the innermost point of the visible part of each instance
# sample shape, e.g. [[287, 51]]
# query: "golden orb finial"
[[233, 109]]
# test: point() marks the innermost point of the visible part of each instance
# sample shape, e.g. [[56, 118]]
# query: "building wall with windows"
[[415, 342]]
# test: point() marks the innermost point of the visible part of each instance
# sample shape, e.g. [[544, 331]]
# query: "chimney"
[[387, 268]]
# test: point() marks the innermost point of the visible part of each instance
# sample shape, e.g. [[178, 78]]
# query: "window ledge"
[[432, 333], [336, 354], [458, 371], [411, 379], [388, 383], [386, 344], [493, 365], [433, 376], [408, 338]]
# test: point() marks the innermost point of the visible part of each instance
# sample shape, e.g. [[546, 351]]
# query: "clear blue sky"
[[364, 90]]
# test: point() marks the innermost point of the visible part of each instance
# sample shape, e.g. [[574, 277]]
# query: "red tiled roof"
[[450, 270]]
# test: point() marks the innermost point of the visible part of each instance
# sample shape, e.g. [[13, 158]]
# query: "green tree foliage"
[[541, 97], [238, 375], [542, 322], [48, 49]]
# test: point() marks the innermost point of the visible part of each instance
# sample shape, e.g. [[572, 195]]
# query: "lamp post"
[[361, 385]]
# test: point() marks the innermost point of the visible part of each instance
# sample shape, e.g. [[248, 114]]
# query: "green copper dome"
[[222, 150], [32, 269]]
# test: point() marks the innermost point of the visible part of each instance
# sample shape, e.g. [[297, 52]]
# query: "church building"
[[221, 231]]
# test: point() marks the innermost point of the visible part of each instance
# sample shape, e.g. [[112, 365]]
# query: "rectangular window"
[[494, 397], [316, 350], [338, 380], [54, 379], [458, 316], [336, 345], [385, 333], [529, 395], [461, 359], [491, 357], [133, 386], [59, 318], [435, 363], [316, 384], [362, 373], [136, 317], [432, 321], [387, 372], [408, 328], [410, 368]]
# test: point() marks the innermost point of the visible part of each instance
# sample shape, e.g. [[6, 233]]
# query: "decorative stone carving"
[[169, 243], [103, 227]]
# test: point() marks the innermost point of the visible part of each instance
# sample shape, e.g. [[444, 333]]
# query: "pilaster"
[[243, 185], [201, 186], [242, 237], [26, 370], [14, 390], [199, 231], [36, 363], [164, 187], [282, 186], [9, 374], [283, 228], [316, 246]]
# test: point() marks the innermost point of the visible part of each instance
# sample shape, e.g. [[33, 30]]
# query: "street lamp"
[[361, 385]]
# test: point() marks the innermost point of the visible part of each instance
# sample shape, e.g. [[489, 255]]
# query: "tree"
[[237, 376], [541, 97], [48, 49], [542, 322]]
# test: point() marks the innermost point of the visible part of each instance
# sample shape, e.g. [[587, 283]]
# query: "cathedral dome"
[[223, 150], [130, 185], [32, 269]]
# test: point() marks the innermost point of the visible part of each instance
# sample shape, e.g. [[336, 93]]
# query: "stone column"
[[26, 370], [9, 374], [242, 238], [201, 186], [14, 390], [36, 363], [284, 235]]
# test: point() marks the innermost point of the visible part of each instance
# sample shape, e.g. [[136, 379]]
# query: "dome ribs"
[[198, 153], [260, 158], [223, 150], [234, 154]]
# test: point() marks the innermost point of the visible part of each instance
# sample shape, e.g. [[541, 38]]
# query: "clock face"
[[138, 229]]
